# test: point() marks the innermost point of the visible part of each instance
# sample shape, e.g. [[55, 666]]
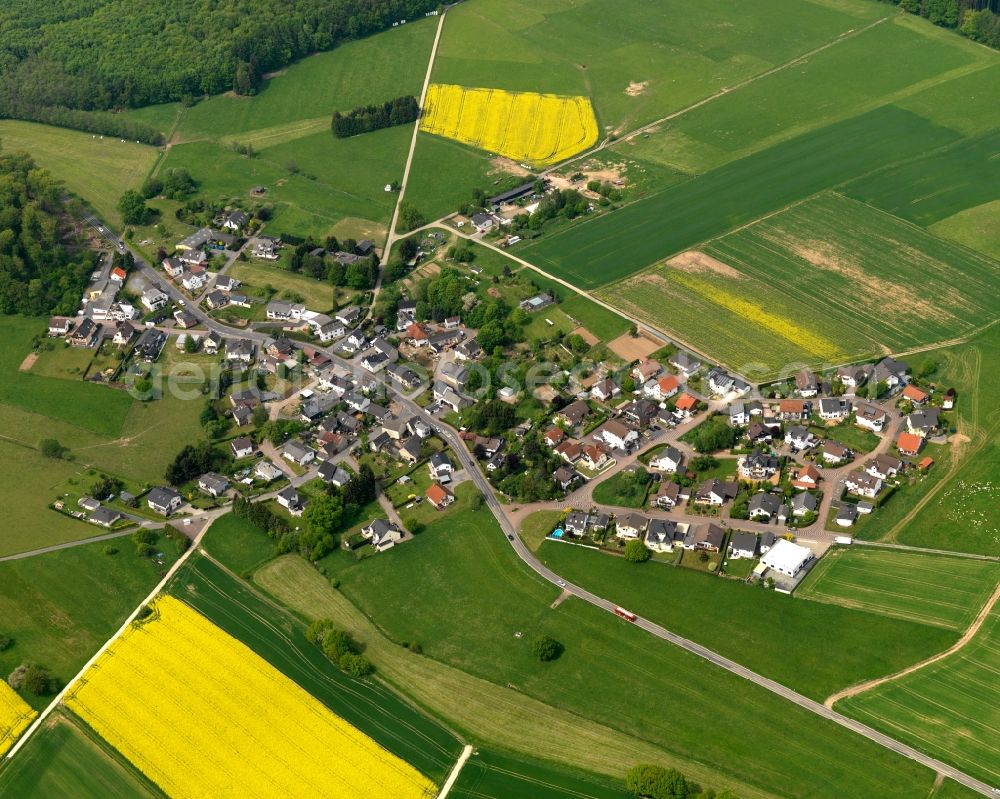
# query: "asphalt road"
[[450, 436]]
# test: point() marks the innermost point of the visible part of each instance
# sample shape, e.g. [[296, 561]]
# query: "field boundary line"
[[57, 701], [456, 770], [607, 143], [391, 236], [967, 636]]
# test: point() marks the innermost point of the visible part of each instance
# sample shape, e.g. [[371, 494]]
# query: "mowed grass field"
[[826, 281], [63, 760], [931, 589], [974, 227], [949, 709], [279, 638], [479, 610], [61, 606], [96, 169], [602, 249], [776, 635]]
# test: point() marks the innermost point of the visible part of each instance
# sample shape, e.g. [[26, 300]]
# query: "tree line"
[[39, 273], [367, 118], [64, 59], [978, 20]]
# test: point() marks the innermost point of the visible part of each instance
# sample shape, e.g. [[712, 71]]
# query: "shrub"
[[636, 551]]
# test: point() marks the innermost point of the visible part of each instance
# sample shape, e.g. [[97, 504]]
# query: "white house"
[[870, 417], [630, 526], [669, 460], [617, 435], [163, 500], [863, 484], [787, 558]]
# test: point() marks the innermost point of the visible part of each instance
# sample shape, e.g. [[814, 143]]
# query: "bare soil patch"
[[28, 362], [586, 335], [697, 261], [505, 166], [632, 349], [635, 88]]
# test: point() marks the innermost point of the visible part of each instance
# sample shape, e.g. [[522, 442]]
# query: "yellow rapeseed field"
[[15, 716], [204, 717], [770, 322], [525, 126]]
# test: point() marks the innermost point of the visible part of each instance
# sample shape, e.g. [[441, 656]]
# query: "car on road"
[[510, 537], [561, 583]]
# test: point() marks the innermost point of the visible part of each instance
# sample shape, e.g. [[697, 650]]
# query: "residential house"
[[163, 500], [291, 500], [241, 447], [641, 412], [709, 537], [234, 220], [686, 405], [383, 534], [154, 299], [439, 496], [806, 384], [565, 477], [646, 370], [604, 390], [716, 492], [847, 514], [174, 267], [211, 343], [863, 484], [741, 412], [242, 415], [570, 451], [410, 450], [798, 438], [871, 417], [417, 335], [794, 410], [758, 433], [216, 299], [150, 344], [441, 467], [574, 413], [923, 423], [806, 478], [686, 364], [668, 460], [118, 275], [453, 374], [185, 320], [617, 435], [284, 311], [909, 444], [468, 350], [764, 506], [595, 457], [758, 465], [854, 376], [915, 395], [193, 281], [576, 522], [884, 466], [354, 341], [744, 545], [834, 408], [104, 517], [213, 484], [267, 471], [835, 452], [266, 248], [767, 540], [804, 503], [948, 402], [630, 525], [661, 535], [787, 558], [60, 326], [670, 495], [374, 361], [241, 350], [85, 333], [891, 372], [349, 316]]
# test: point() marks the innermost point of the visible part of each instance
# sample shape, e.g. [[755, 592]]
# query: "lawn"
[[444, 173], [931, 589], [59, 608], [482, 710], [974, 227], [96, 168], [94, 408], [239, 545], [809, 285], [493, 774], [856, 438], [279, 638], [776, 635], [316, 295], [949, 709], [536, 527], [63, 759], [602, 249], [58, 359], [479, 611], [621, 491]]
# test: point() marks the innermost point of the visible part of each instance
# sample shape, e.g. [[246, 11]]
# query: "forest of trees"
[[375, 117], [979, 20], [63, 60], [39, 275]]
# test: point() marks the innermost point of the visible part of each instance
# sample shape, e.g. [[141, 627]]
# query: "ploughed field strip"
[[949, 709], [939, 590], [198, 712], [524, 126], [826, 281]]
